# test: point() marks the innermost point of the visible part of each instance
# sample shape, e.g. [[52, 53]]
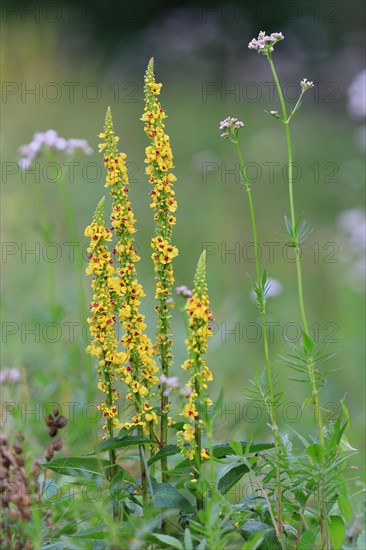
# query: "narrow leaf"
[[168, 541], [167, 496], [236, 447], [231, 478], [337, 531], [345, 507], [169, 450], [78, 466], [118, 442]]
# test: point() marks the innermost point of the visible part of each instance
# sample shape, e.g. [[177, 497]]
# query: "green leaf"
[[169, 450], [188, 543], [80, 467], [167, 496], [254, 543], [253, 528], [345, 507], [307, 540], [177, 426], [236, 447], [169, 541], [337, 531], [231, 478], [308, 343], [288, 226], [118, 442], [346, 413], [316, 453]]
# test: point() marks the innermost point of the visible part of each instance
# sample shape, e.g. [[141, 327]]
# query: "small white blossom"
[[306, 84], [231, 126]]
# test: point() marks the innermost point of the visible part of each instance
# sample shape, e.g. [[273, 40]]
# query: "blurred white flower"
[[352, 227], [274, 288], [356, 92]]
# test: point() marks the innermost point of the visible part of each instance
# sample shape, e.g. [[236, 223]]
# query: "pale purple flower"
[[231, 127], [171, 383], [264, 44], [10, 375], [306, 84], [50, 140], [186, 391], [183, 291]]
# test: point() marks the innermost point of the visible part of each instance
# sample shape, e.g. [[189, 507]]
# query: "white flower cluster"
[[231, 126], [264, 44]]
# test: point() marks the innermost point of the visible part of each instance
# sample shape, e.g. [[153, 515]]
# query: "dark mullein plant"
[[199, 318], [136, 364], [159, 160]]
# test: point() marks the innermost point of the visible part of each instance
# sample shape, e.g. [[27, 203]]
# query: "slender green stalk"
[[112, 453], [144, 489], [198, 441], [164, 350], [272, 411], [315, 392]]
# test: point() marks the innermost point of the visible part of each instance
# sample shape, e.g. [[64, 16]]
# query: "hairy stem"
[[164, 350], [197, 440], [112, 453]]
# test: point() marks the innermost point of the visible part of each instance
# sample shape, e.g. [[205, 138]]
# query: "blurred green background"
[[80, 57]]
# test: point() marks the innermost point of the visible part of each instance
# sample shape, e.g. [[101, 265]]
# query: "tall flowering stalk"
[[296, 233], [139, 368], [199, 316], [101, 324], [159, 159], [230, 130]]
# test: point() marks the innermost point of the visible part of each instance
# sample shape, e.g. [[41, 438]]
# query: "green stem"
[[272, 409], [112, 453], [198, 438], [163, 335], [315, 392], [145, 493]]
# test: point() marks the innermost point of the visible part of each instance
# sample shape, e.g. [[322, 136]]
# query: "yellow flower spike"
[[102, 320], [159, 160], [199, 317], [138, 350]]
